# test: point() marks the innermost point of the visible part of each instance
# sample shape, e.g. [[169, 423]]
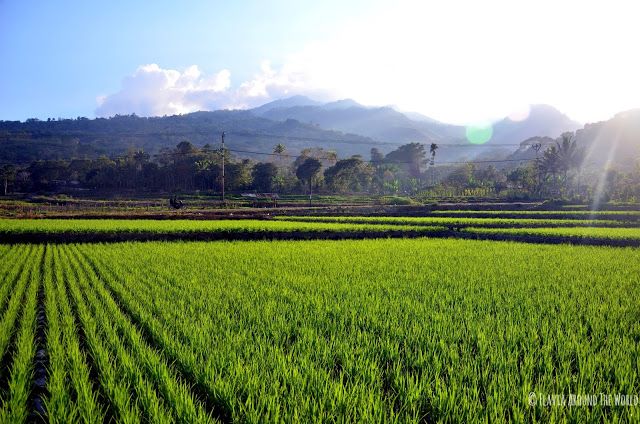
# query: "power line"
[[388, 143], [384, 160], [286, 155], [327, 158], [284, 137]]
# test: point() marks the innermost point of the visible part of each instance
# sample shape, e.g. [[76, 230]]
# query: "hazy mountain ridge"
[[543, 121], [380, 123], [285, 103], [387, 124]]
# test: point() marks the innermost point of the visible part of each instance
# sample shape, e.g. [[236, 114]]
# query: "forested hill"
[[613, 143], [22, 142]]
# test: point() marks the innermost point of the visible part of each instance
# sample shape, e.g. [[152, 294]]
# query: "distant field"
[[318, 331], [537, 212], [118, 230], [42, 206], [89, 226], [575, 232], [445, 221], [546, 214]]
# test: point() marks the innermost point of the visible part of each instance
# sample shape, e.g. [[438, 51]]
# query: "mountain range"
[[387, 124], [299, 122]]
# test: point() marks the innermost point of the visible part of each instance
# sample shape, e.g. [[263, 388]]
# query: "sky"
[[465, 62]]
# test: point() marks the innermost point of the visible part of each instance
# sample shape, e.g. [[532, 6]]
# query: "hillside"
[[615, 142], [88, 138], [379, 123], [298, 122], [543, 121]]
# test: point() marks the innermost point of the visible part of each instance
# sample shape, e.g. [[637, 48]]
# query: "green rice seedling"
[[13, 268], [447, 329], [189, 361], [8, 322], [176, 393], [86, 404], [14, 406], [142, 357], [114, 385], [59, 405]]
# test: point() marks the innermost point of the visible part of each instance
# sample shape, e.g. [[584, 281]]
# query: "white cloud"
[[153, 91]]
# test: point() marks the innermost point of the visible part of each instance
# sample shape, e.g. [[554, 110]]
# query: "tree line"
[[411, 169]]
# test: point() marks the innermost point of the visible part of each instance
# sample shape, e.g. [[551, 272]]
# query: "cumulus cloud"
[[154, 91]]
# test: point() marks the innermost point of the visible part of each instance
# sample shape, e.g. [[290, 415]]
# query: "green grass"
[[386, 330]]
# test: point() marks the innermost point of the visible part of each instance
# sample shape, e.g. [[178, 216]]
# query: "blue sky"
[[461, 61], [58, 56]]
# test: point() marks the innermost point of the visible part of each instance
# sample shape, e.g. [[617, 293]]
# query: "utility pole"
[[223, 166], [537, 148]]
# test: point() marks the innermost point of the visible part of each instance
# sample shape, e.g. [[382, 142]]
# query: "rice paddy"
[[380, 330]]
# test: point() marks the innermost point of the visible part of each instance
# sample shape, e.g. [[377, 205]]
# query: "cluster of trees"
[[409, 170], [187, 168]]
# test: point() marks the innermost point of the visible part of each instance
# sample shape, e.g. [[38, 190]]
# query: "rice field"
[[606, 232], [426, 329], [315, 331]]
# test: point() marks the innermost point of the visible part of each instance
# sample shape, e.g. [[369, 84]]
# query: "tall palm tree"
[[561, 159], [279, 150], [432, 151]]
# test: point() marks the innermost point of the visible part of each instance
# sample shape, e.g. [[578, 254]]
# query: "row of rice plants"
[[73, 396], [630, 215], [139, 384], [444, 329], [52, 226], [17, 335], [145, 358], [572, 233], [447, 221], [537, 212]]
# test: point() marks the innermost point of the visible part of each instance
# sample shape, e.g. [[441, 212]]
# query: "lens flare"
[[479, 134]]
